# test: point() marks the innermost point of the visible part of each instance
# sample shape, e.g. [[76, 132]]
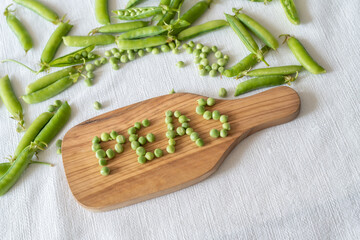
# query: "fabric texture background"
[[300, 180]]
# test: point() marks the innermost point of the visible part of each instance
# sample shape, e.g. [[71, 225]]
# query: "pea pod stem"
[[40, 9], [18, 29], [11, 102], [261, 82], [302, 55], [21, 64]]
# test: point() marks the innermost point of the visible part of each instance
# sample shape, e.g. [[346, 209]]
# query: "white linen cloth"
[[300, 180]]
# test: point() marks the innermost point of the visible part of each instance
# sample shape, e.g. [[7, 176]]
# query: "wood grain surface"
[[131, 182]]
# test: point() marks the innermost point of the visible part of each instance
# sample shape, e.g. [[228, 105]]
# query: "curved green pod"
[[283, 70], [56, 123], [142, 43], [143, 32], [120, 27], [19, 30], [54, 42], [303, 56], [84, 41], [40, 9], [195, 31], [101, 12]]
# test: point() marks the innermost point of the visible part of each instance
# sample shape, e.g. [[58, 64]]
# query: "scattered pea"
[[97, 63], [141, 159], [117, 55], [180, 131], [212, 73], [158, 152], [58, 151], [226, 57], [218, 54], [199, 46], [180, 64], [110, 153], [140, 151], [185, 125], [90, 67], [103, 60], [223, 118], [105, 171], [113, 134], [200, 110], [203, 72], [172, 45], [172, 142], [135, 145], [197, 52], [214, 133], [189, 50], [105, 137], [222, 93], [194, 136], [226, 126], [165, 48], [97, 105], [223, 133], [132, 130], [197, 60], [170, 134], [203, 55], [221, 69], [114, 50], [208, 68], [102, 162], [150, 137], [137, 125], [207, 115], [168, 113], [149, 156], [131, 56], [96, 139], [172, 91], [52, 108], [90, 75], [199, 142], [177, 114], [133, 137], [170, 148], [100, 154], [119, 148], [95, 147], [58, 103], [216, 115], [183, 119], [191, 44], [222, 62], [210, 102], [107, 53], [146, 123], [189, 131], [204, 62], [155, 51], [214, 48], [205, 49], [120, 139], [142, 140], [175, 51], [185, 46], [170, 126], [201, 102], [168, 120], [214, 66]]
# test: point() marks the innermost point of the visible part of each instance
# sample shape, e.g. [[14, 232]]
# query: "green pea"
[[133, 137], [201, 102], [135, 145], [103, 60], [140, 151], [204, 62], [102, 162], [200, 110], [149, 49], [119, 148], [215, 66], [105, 137], [172, 91], [142, 140], [141, 53], [199, 142], [222, 62], [197, 52], [115, 66], [170, 126], [180, 64], [197, 60], [110, 153], [210, 102], [214, 48], [216, 115], [175, 51], [124, 59], [155, 51], [113, 134], [95, 147], [71, 59], [180, 131], [58, 103], [96, 139], [146, 123], [191, 44], [132, 130], [90, 67], [150, 137], [212, 73], [149, 156], [207, 115], [105, 171], [221, 69], [172, 45], [189, 50], [141, 159], [97, 105], [170, 134], [114, 50], [97, 63], [100, 153], [214, 133], [203, 55], [185, 125], [170, 148], [172, 141], [223, 118], [84, 54], [208, 68], [131, 56], [77, 56], [108, 53], [203, 72], [218, 54], [222, 92], [137, 125], [205, 49], [185, 46], [120, 139], [177, 114], [58, 151], [168, 113], [183, 119], [199, 46], [168, 120], [90, 75], [52, 108], [226, 126], [189, 131], [226, 57], [194, 136], [165, 48], [158, 152], [117, 55], [223, 133]]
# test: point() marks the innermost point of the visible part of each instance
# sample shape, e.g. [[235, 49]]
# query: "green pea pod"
[[303, 56], [101, 12], [40, 9], [138, 13], [84, 41], [261, 82], [119, 27], [51, 78], [54, 42], [56, 123], [72, 59], [11, 102], [290, 11], [259, 31], [245, 64], [32, 132], [19, 30], [133, 3], [264, 1], [142, 43], [52, 90], [143, 32], [4, 167], [17, 168], [284, 70], [168, 16], [159, 16], [245, 36], [195, 31]]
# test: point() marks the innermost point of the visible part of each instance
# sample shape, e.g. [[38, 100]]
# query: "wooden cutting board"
[[131, 182]]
